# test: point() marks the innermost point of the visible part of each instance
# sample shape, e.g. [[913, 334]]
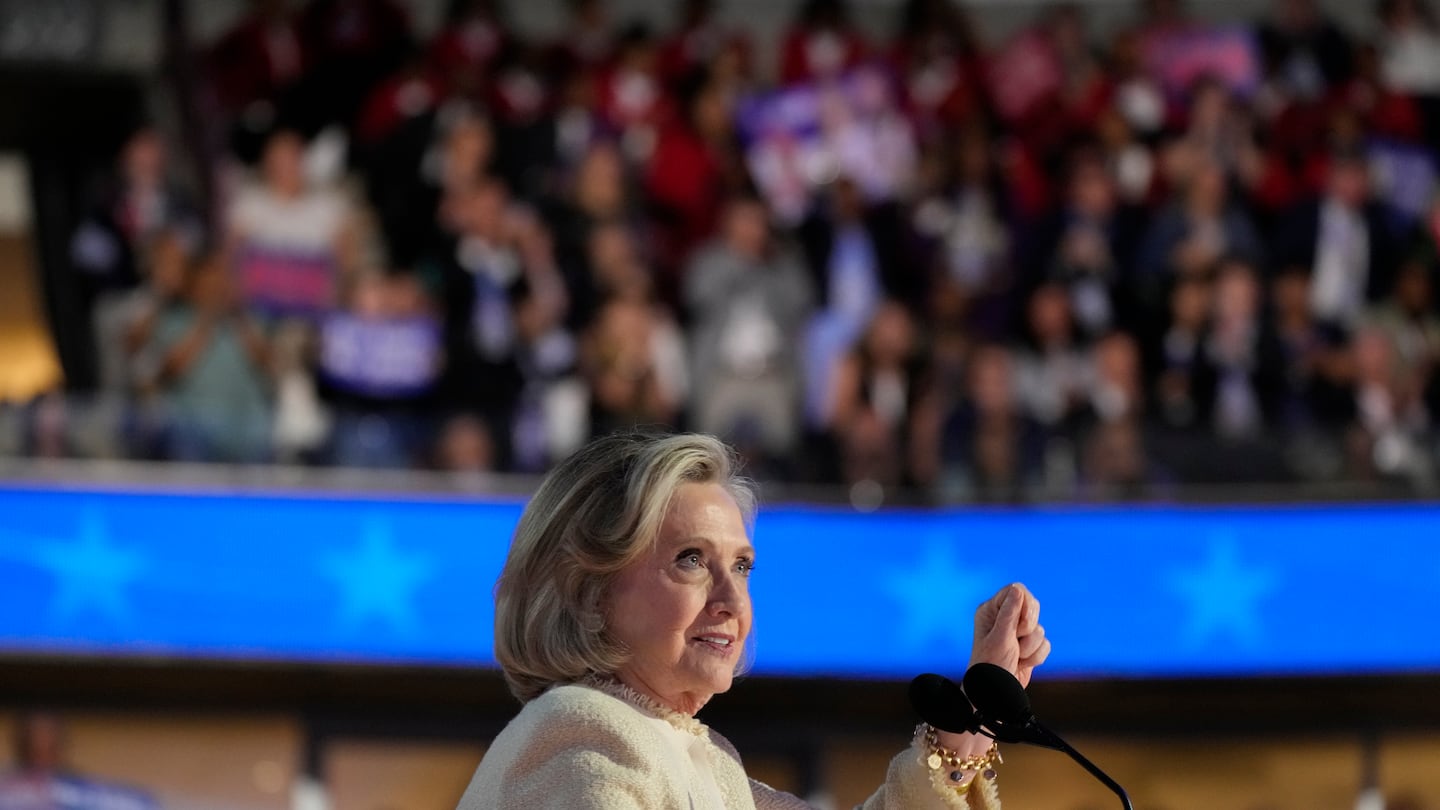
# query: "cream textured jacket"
[[603, 747]]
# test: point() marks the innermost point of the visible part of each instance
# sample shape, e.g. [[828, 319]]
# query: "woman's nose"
[[728, 594]]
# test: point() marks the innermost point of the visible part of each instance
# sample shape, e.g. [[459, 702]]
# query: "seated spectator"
[[1314, 388], [1391, 428], [1052, 373], [1407, 316], [291, 242], [747, 295], [1344, 237], [1219, 128], [42, 780], [587, 44], [1178, 361], [1409, 47], [1237, 395], [821, 44], [1195, 231], [966, 227], [1116, 389], [991, 451], [212, 367], [1088, 247], [464, 446], [1305, 52]]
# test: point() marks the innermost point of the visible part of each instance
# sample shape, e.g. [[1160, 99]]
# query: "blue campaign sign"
[[1131, 592]]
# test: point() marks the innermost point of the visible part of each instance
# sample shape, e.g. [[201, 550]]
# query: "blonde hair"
[[595, 513]]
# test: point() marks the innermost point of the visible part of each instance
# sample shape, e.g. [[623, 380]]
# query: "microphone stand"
[[1037, 735]]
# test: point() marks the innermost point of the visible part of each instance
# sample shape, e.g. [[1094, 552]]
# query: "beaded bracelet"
[[941, 758]]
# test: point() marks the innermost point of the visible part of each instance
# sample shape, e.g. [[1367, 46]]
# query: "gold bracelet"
[[941, 758]]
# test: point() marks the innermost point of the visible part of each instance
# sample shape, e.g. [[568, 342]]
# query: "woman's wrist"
[[965, 745]]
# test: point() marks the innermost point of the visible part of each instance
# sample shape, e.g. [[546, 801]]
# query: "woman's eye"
[[745, 567], [689, 559]]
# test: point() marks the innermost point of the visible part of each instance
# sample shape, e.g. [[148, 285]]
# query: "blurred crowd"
[[1049, 266]]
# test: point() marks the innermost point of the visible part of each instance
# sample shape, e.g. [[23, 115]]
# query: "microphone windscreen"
[[997, 695], [939, 702]]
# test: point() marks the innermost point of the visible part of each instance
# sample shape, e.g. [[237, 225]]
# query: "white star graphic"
[[933, 592], [377, 581], [90, 573], [1223, 595]]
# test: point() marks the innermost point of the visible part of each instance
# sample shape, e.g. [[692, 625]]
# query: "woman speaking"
[[624, 606]]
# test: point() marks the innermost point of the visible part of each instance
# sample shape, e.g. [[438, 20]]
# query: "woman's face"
[[683, 610]]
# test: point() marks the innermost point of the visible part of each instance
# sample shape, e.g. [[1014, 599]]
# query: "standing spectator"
[[354, 44], [380, 358], [291, 242], [634, 360], [467, 45], [588, 43], [633, 96], [599, 193], [702, 42], [256, 68], [485, 272], [821, 44], [876, 391], [695, 167], [938, 60], [213, 362], [128, 212], [747, 296], [845, 254]]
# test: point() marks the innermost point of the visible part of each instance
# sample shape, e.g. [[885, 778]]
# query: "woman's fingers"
[[1031, 642], [1035, 659]]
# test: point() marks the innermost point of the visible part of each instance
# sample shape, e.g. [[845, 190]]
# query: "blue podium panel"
[[1127, 592]]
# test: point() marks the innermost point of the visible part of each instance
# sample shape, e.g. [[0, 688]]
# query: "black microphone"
[[939, 702], [1003, 710]]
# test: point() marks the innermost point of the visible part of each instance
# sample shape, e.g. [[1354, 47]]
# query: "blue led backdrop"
[[1126, 591]]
